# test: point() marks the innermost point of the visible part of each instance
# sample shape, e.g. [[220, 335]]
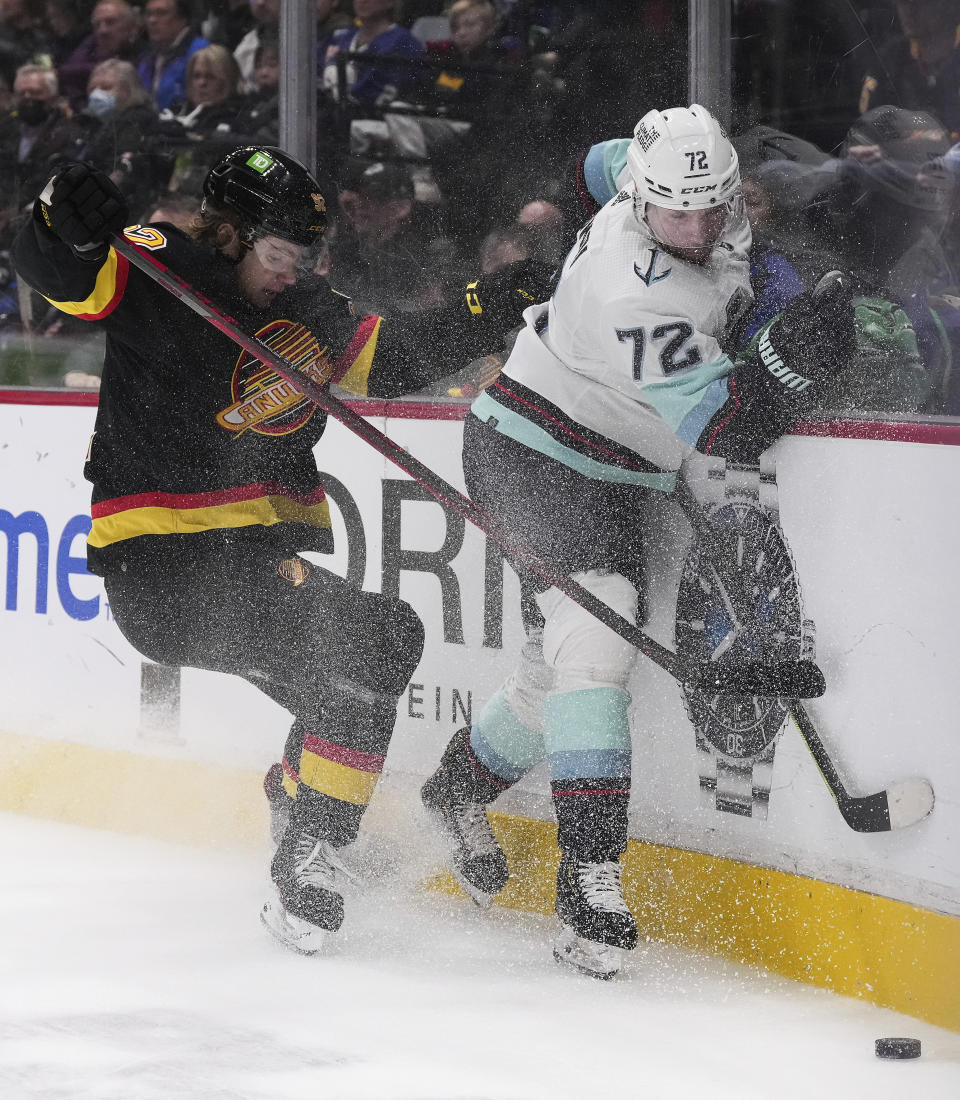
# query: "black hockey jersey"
[[198, 445]]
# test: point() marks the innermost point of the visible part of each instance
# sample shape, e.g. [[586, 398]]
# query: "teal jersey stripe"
[[517, 427], [589, 764], [587, 720], [502, 743], [687, 402]]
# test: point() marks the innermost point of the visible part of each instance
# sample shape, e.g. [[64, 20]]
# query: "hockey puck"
[[897, 1048]]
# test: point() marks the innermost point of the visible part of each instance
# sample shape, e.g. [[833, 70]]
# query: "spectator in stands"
[[477, 96], [782, 175], [546, 231], [172, 43], [331, 17], [67, 27], [473, 24], [209, 121], [376, 34], [213, 105], [887, 215], [23, 36], [537, 233], [266, 67], [501, 246], [35, 136], [922, 68], [226, 22], [123, 125], [261, 116], [213, 84], [877, 212], [116, 33], [266, 21], [387, 251], [125, 144]]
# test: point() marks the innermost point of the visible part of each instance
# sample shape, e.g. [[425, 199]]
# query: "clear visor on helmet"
[[691, 232], [286, 258]]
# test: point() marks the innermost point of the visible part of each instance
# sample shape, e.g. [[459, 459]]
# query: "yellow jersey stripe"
[[107, 291], [337, 780], [266, 510]]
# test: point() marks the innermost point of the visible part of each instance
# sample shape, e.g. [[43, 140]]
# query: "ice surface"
[[138, 970]]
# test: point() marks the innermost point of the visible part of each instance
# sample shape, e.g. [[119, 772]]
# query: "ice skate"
[[477, 860], [278, 801], [596, 924], [308, 874], [296, 934], [598, 960]]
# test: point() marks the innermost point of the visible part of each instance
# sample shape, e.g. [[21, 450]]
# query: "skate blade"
[[480, 898], [295, 934], [597, 960]]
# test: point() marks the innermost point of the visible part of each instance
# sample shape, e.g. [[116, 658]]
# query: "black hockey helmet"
[[272, 191]]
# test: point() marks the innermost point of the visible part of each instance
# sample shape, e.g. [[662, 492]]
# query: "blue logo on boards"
[[32, 527]]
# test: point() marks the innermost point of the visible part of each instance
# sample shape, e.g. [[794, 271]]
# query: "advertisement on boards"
[[875, 572]]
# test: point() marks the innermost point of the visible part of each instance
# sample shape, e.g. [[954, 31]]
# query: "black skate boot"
[[596, 924], [308, 873], [278, 801], [456, 796]]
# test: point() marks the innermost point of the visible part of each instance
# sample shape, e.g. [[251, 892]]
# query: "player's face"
[[688, 234], [269, 267]]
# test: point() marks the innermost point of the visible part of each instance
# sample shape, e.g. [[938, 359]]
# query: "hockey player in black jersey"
[[205, 487]]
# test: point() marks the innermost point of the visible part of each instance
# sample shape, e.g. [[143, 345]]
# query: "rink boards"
[[88, 734]]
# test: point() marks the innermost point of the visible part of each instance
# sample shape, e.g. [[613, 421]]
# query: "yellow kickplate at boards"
[[890, 953]]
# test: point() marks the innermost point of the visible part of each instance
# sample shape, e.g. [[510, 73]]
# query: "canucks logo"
[[263, 401]]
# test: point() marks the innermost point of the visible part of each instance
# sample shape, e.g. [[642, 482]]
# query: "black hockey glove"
[[806, 345], [83, 206], [784, 371], [501, 297]]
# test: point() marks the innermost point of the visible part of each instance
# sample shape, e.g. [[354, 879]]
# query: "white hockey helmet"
[[681, 159]]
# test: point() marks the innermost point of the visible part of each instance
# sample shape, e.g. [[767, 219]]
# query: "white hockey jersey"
[[620, 372]]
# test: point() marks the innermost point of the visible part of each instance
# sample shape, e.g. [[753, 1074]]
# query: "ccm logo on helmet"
[[776, 366], [698, 190]]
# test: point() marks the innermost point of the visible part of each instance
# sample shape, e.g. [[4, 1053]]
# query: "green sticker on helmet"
[[260, 162]]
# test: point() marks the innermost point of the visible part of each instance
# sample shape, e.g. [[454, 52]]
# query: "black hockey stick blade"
[[787, 679], [899, 806]]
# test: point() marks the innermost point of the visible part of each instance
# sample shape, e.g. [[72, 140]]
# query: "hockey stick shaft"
[[445, 493]]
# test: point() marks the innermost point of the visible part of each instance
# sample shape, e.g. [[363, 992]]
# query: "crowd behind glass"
[[449, 136]]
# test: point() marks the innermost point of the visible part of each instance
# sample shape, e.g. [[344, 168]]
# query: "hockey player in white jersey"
[[609, 388]]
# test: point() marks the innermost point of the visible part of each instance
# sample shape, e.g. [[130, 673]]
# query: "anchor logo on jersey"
[[648, 276]]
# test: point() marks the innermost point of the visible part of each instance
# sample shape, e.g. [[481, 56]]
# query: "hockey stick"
[[795, 679], [901, 804]]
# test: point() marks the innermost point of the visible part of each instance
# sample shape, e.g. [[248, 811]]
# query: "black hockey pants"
[[336, 657]]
